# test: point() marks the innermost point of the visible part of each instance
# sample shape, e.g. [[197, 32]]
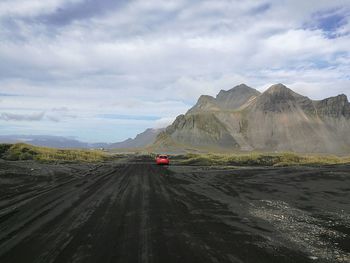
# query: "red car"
[[162, 159]]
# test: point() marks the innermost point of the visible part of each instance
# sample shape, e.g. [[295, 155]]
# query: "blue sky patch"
[[81, 10], [329, 21], [260, 8]]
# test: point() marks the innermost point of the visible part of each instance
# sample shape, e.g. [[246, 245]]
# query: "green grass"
[[22, 151], [262, 159]]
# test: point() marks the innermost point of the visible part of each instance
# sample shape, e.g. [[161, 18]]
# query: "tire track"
[[139, 212], [49, 214]]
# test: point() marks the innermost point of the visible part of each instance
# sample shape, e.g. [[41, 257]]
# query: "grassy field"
[[262, 159], [22, 151]]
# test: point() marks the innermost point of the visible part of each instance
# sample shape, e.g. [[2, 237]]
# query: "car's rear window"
[[163, 157]]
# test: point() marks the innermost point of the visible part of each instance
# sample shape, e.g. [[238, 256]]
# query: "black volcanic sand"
[[135, 211]]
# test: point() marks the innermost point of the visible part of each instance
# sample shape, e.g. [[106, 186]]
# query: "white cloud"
[[21, 117], [30, 7], [157, 57]]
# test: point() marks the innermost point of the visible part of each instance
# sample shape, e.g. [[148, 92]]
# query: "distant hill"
[[243, 119], [141, 140], [50, 141]]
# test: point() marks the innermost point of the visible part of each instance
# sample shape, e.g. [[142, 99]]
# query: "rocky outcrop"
[[231, 99], [335, 107], [236, 97], [279, 98]]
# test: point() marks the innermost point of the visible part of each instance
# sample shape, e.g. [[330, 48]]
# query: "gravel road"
[[134, 211]]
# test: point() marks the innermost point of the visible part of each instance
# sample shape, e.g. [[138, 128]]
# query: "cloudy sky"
[[104, 70]]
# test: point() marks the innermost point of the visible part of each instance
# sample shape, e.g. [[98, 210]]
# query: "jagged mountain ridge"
[[226, 100], [278, 119]]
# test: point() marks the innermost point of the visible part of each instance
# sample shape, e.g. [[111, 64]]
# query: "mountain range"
[[50, 141], [239, 119], [243, 119], [141, 140]]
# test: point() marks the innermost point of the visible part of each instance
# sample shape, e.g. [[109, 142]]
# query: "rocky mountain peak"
[[237, 91], [340, 101], [341, 98], [279, 98], [334, 106], [231, 99], [236, 97], [280, 90], [205, 98], [204, 103]]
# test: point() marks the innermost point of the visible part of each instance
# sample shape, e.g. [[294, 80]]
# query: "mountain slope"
[[277, 120], [200, 130], [141, 140]]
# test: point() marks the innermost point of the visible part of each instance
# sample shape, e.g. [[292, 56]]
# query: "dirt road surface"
[[135, 211]]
